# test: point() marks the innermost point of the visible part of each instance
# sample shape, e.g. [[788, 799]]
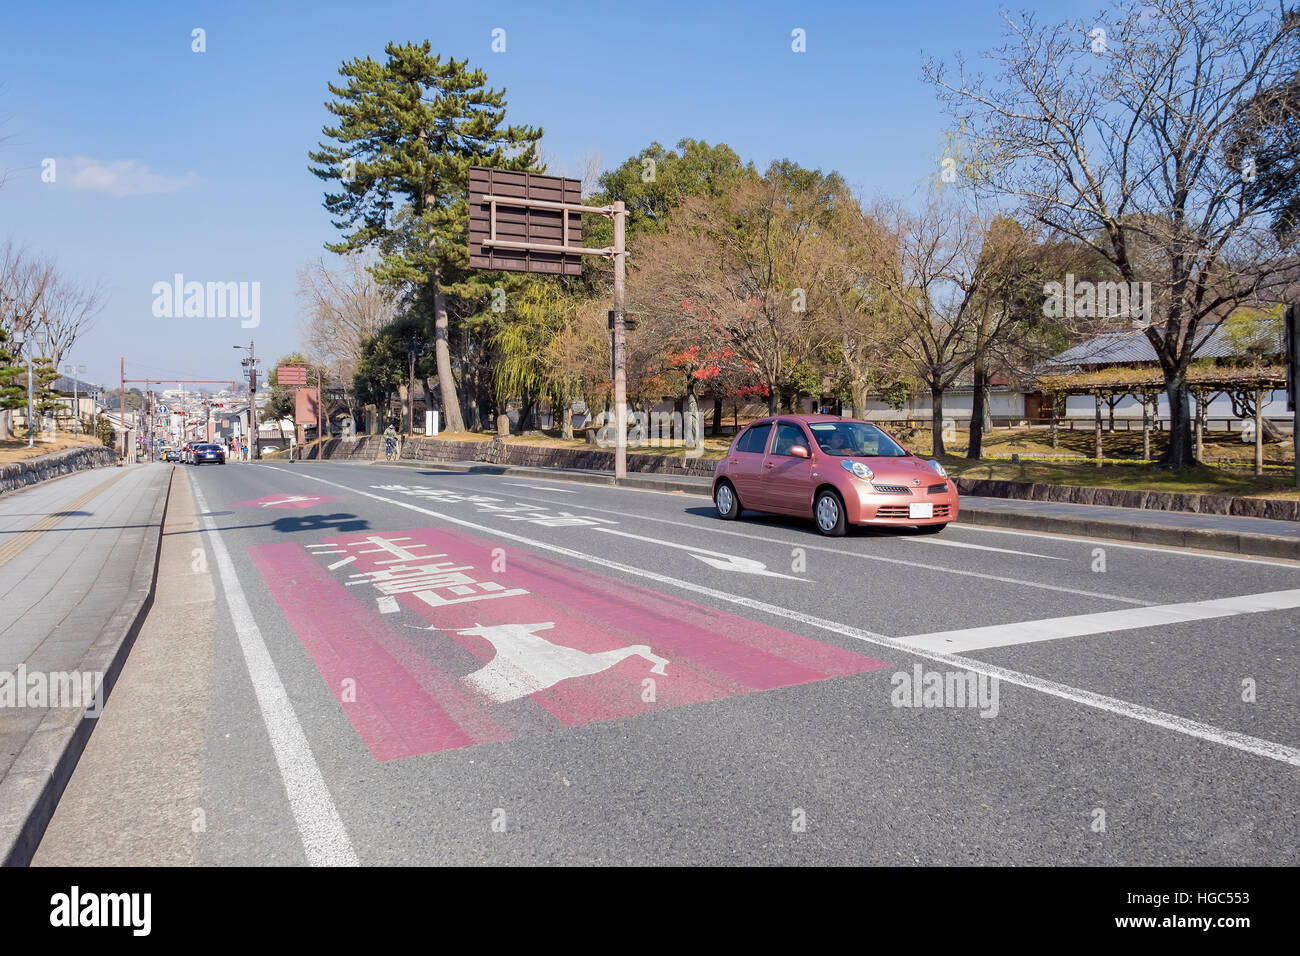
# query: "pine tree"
[[13, 385], [13, 378], [408, 131], [44, 375]]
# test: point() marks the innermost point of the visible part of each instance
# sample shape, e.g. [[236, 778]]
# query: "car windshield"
[[859, 439]]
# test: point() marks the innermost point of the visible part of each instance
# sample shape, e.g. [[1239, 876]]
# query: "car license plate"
[[920, 510]]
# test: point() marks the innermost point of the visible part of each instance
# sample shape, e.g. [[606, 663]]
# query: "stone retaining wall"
[[366, 448], [22, 473], [1280, 509], [534, 456]]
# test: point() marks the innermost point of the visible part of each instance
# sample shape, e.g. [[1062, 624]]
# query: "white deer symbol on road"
[[525, 663]]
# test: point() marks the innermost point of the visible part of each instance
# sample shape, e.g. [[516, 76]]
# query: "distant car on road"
[[837, 471], [208, 452]]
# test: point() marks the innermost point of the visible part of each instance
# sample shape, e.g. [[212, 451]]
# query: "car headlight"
[[938, 468], [858, 468]]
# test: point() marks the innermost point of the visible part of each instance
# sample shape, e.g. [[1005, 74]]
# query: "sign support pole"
[[620, 340], [1291, 330]]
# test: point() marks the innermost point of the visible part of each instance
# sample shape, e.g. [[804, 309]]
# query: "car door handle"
[[771, 464]]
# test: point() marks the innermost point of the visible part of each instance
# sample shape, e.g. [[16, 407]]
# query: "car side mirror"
[[798, 451]]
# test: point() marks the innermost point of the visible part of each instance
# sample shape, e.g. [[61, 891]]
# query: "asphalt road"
[[416, 666]]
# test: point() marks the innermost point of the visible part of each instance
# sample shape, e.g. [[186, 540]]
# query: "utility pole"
[[251, 362]]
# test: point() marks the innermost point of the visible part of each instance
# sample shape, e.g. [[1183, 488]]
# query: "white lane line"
[[979, 547], [1020, 582], [558, 491], [1054, 628], [320, 827], [1122, 708]]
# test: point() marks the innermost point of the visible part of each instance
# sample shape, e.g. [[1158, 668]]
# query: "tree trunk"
[[1178, 453], [442, 357], [1097, 428], [404, 400], [6, 424], [772, 398], [936, 422], [691, 436], [1147, 415], [717, 415], [860, 400], [1259, 433], [566, 422], [979, 408]]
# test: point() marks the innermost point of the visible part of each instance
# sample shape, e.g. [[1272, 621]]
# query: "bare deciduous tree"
[[1120, 135], [944, 267], [341, 309]]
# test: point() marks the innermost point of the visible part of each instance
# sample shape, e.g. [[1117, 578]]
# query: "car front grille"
[[937, 489], [901, 511], [892, 489]]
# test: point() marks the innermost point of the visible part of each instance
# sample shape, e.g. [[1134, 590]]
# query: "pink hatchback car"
[[837, 471]]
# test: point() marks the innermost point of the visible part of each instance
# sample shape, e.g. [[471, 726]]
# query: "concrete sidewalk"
[[1259, 537], [78, 557]]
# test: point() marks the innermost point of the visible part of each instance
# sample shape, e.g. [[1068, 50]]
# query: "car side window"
[[787, 436], [754, 441]]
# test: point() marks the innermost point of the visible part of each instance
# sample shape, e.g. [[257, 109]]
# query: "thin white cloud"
[[119, 177]]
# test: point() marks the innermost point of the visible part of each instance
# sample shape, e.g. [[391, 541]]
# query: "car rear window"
[[754, 441]]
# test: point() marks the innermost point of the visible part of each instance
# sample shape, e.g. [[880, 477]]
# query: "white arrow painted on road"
[[716, 559]]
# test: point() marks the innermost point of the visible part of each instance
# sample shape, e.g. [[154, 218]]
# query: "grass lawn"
[[1228, 471], [15, 449]]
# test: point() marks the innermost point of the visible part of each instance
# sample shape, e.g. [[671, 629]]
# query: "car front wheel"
[[828, 511], [727, 503]]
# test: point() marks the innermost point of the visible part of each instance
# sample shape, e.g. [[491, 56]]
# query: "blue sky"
[[171, 161]]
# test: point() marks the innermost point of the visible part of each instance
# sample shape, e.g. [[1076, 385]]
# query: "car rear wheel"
[[829, 514], [727, 503]]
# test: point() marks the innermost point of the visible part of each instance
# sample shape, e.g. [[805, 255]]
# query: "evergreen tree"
[[408, 131], [13, 378], [44, 375]]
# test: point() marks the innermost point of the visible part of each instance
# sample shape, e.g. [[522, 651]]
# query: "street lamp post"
[[76, 370], [19, 339]]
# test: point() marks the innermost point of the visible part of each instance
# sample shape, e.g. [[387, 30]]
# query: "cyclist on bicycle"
[[390, 439]]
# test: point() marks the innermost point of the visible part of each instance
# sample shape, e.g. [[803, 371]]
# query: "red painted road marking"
[[492, 643], [285, 500]]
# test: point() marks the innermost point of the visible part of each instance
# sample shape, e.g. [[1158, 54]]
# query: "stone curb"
[[1274, 509], [1202, 539], [30, 791]]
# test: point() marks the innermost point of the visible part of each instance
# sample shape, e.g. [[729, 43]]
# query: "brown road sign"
[[291, 375], [497, 228]]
